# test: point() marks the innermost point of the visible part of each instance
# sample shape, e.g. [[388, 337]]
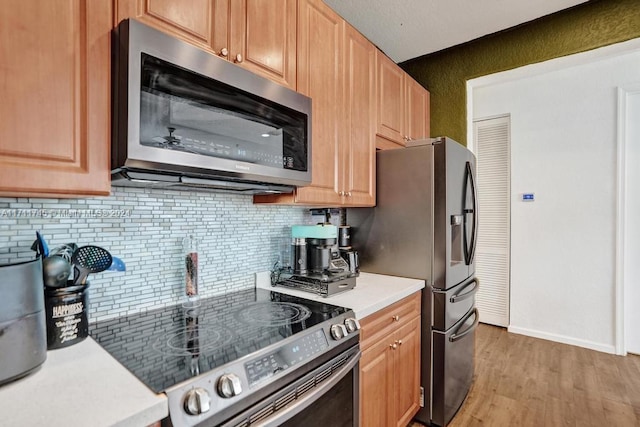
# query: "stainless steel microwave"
[[187, 118]]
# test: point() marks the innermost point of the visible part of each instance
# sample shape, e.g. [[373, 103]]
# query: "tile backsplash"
[[145, 228]]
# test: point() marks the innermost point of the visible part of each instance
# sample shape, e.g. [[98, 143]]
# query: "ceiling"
[[406, 29]]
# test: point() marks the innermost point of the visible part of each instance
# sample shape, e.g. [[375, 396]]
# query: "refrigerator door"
[[451, 305], [396, 237], [452, 368], [454, 213]]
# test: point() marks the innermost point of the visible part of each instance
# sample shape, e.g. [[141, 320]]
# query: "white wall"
[[631, 272], [563, 136]]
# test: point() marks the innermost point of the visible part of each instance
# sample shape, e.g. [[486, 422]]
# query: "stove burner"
[[270, 313], [193, 340]]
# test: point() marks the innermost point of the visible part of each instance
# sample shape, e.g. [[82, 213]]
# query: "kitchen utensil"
[[117, 265], [89, 259], [56, 271], [65, 251], [42, 245], [351, 256]]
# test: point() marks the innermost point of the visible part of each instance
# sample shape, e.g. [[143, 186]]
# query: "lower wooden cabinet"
[[390, 365]]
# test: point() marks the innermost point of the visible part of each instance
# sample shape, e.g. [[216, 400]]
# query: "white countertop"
[[78, 386], [373, 292], [83, 385]]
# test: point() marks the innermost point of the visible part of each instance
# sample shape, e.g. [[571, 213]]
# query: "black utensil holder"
[[66, 315]]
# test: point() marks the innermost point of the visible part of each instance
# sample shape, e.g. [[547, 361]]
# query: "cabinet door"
[[320, 76], [390, 99], [376, 387], [407, 373], [418, 110], [55, 109], [358, 148], [263, 38], [189, 20]]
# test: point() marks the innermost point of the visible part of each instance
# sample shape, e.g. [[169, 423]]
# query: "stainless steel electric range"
[[248, 358]]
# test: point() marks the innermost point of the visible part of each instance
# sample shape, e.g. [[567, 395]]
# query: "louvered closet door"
[[491, 142]]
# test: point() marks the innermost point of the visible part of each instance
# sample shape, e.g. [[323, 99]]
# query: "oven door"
[[327, 396]]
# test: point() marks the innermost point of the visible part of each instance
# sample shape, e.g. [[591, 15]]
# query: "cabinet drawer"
[[388, 320]]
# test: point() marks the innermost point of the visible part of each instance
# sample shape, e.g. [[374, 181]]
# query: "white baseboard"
[[605, 348]]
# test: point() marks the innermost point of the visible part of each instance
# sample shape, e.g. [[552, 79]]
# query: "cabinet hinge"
[[422, 397]]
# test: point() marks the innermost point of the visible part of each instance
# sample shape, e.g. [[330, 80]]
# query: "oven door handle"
[[303, 403]]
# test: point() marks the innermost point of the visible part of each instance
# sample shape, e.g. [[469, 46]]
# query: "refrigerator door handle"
[[458, 336], [463, 296], [474, 194], [470, 245]]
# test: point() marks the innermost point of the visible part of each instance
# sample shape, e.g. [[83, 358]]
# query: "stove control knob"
[[351, 324], [338, 331], [197, 401], [229, 385]]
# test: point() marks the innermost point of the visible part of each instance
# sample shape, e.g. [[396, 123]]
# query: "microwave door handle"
[[310, 397]]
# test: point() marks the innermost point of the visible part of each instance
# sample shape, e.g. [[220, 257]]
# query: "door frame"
[[621, 283]]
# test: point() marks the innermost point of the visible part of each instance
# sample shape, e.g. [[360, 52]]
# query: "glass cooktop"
[[166, 346]]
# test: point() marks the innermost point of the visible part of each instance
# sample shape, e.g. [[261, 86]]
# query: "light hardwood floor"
[[523, 381]]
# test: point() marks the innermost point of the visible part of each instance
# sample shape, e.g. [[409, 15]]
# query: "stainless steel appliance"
[[327, 275], [247, 358], [23, 339], [323, 271], [425, 226], [186, 118]]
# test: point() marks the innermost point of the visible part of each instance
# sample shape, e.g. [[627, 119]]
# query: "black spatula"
[[89, 259]]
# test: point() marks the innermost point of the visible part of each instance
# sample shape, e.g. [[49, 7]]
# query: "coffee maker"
[[317, 264]]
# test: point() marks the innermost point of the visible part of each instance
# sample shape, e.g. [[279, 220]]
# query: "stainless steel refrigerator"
[[425, 226]]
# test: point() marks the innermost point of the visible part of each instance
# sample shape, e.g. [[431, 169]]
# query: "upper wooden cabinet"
[[336, 68], [320, 77], [55, 109], [263, 38], [259, 35], [417, 114], [403, 106], [390, 99], [359, 152], [190, 20]]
